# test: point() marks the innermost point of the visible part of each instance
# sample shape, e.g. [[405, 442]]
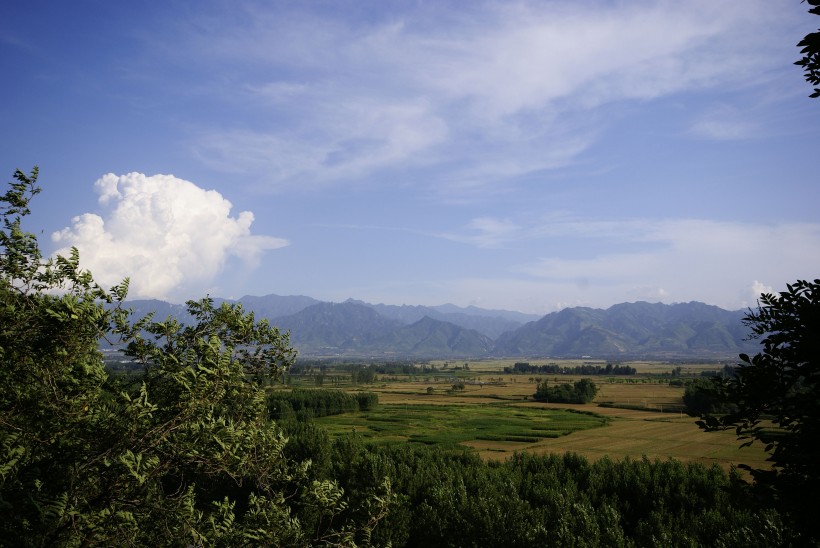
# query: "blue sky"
[[519, 155]]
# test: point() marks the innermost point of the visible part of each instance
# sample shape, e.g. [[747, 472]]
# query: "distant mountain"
[[336, 327], [623, 331], [631, 330], [432, 338], [352, 329], [509, 315], [490, 323], [160, 309], [275, 306]]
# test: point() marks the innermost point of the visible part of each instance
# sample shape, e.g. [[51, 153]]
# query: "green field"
[[448, 425], [496, 416]]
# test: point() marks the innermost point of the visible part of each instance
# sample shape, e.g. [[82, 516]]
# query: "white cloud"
[[599, 263], [725, 123], [486, 232], [480, 92], [339, 142], [168, 235], [710, 261], [759, 288]]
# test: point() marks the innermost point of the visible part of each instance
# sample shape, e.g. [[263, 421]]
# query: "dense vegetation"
[[185, 456], [184, 453], [304, 404], [453, 498], [774, 398], [582, 391], [706, 395], [586, 369]]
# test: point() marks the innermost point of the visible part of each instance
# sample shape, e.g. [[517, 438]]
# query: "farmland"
[[495, 415]]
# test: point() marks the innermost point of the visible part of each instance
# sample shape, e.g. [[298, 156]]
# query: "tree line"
[[303, 404], [454, 498], [185, 453], [555, 369]]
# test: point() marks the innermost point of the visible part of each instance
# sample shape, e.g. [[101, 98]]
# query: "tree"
[[705, 396], [777, 394], [185, 456], [582, 391], [811, 53]]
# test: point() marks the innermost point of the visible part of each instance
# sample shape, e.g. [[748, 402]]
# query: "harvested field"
[[633, 432], [494, 413]]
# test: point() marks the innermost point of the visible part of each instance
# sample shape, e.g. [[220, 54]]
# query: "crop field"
[[486, 366], [635, 434], [495, 415], [500, 425]]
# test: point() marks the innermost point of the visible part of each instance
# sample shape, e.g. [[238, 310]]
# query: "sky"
[[519, 155]]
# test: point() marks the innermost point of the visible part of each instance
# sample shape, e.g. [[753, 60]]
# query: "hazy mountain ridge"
[[631, 330], [275, 306], [433, 338], [490, 323], [626, 330], [336, 327]]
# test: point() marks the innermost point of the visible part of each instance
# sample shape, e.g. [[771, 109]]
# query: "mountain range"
[[378, 331]]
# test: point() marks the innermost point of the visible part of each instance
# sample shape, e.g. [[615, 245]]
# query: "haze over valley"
[[625, 331], [530, 155]]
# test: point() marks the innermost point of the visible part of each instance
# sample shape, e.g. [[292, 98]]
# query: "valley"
[[354, 329], [484, 409]]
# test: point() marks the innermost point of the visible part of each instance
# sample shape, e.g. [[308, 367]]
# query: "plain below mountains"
[[623, 331]]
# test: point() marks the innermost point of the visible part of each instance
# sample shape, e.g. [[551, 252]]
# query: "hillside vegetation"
[[183, 450], [623, 331]]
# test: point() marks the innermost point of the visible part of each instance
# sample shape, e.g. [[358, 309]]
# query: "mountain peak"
[[622, 331]]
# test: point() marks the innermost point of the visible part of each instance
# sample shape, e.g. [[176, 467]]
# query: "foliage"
[[304, 404], [186, 456], [582, 391], [781, 386], [453, 498], [810, 45], [706, 396], [555, 369], [363, 375]]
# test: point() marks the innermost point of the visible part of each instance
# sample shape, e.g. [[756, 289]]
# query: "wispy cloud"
[[725, 123], [603, 262], [482, 93], [712, 261], [486, 232]]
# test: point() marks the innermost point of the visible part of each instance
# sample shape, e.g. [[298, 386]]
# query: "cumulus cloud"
[[759, 288], [168, 235]]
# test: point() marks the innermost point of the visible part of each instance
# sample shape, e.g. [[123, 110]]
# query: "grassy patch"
[[450, 425]]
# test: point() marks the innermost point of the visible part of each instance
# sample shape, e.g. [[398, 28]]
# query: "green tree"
[[810, 45], [706, 396], [777, 395], [185, 457], [582, 391]]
